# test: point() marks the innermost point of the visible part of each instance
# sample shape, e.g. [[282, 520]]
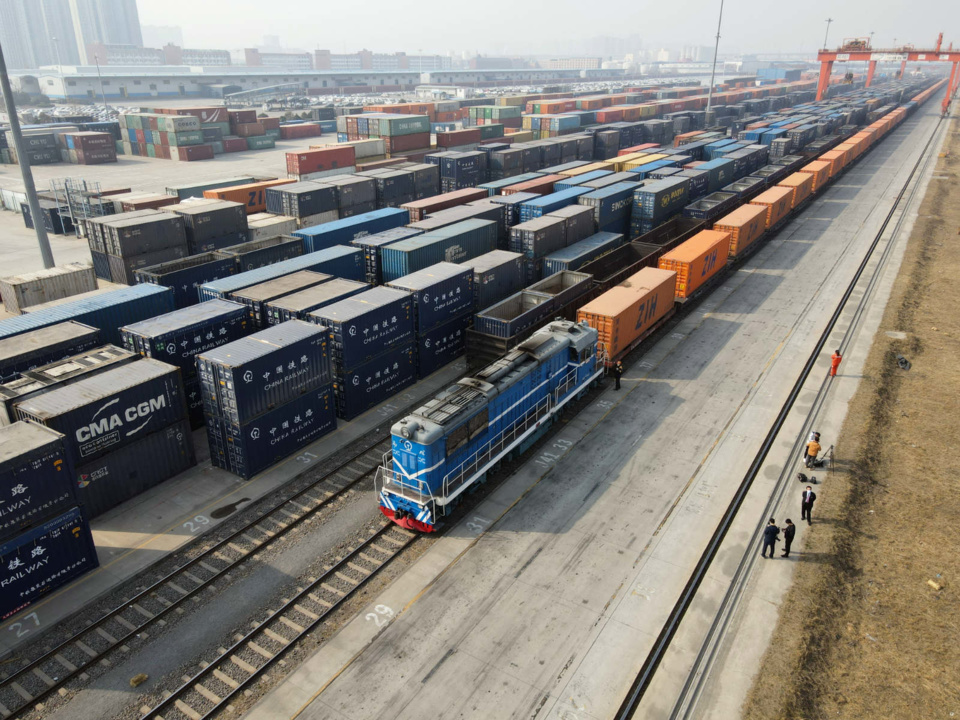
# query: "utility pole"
[[829, 20], [716, 48], [103, 95], [31, 191]]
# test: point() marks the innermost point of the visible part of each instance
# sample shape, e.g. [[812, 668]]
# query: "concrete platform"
[[145, 529], [544, 601]]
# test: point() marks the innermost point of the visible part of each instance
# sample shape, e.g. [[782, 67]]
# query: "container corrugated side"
[[441, 345], [28, 574], [256, 298], [373, 382], [496, 275], [260, 253], [575, 256], [440, 293], [296, 306], [107, 312], [343, 232], [135, 468], [183, 277], [20, 291], [454, 243], [697, 260]]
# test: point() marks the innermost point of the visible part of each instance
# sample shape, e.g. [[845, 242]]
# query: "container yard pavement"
[[143, 530], [21, 254], [546, 598]]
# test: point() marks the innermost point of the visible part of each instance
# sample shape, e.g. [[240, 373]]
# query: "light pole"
[[103, 95], [56, 47], [716, 48], [28, 187], [829, 20]]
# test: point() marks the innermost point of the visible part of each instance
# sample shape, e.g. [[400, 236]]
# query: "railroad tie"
[[346, 578], [187, 710], [260, 650], [86, 648], [175, 587], [122, 621], [301, 609], [277, 637], [243, 665], [354, 566], [66, 663], [319, 600], [106, 636], [331, 588], [226, 679], [191, 576], [290, 624], [46, 679], [5, 711], [19, 690], [208, 694], [209, 568], [369, 559]]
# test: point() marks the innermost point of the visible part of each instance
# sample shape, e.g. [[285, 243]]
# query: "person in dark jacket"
[[617, 374], [771, 533], [789, 530], [807, 498]]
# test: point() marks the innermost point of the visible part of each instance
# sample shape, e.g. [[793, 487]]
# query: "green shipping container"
[[151, 150], [217, 146], [273, 132], [223, 127], [491, 131], [190, 137], [402, 125], [260, 142]]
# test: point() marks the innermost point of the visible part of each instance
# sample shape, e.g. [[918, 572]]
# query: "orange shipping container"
[[697, 260], [777, 201], [801, 184], [541, 185], [626, 313], [253, 196], [837, 160], [820, 171], [745, 224]]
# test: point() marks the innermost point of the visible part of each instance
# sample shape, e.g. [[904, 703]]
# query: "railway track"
[[237, 667], [693, 686], [136, 617]]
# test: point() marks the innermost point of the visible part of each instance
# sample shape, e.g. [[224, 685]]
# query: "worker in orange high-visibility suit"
[[835, 360]]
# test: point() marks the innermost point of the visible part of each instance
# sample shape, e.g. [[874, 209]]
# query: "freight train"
[[447, 446]]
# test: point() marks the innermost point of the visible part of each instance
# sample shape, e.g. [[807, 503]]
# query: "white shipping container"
[[261, 226], [369, 147], [319, 218], [325, 173], [22, 291]]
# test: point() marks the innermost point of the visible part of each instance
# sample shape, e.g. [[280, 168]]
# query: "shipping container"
[[546, 204], [302, 199], [538, 238], [251, 195], [564, 287], [353, 192], [46, 557], [372, 246], [626, 313], [660, 199], [184, 276], [104, 412], [36, 480], [256, 298], [514, 314], [266, 370], [260, 253], [542, 185], [297, 305], [777, 200], [611, 206], [496, 275], [195, 190], [124, 473], [802, 185], [261, 226], [41, 347], [454, 243], [440, 293], [344, 232], [820, 171], [106, 312], [250, 448], [177, 337], [371, 383], [20, 291], [746, 225], [332, 157], [212, 225], [511, 205], [131, 236], [697, 260], [366, 325], [420, 209], [441, 345], [124, 269], [578, 254], [339, 261]]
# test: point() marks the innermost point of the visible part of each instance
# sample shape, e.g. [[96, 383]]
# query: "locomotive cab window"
[[466, 432]]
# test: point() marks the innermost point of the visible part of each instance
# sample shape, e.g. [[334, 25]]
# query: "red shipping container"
[[419, 209], [193, 152], [541, 185], [234, 144], [242, 117], [329, 158], [400, 143], [609, 115], [162, 151], [456, 138], [378, 164], [270, 123], [205, 114], [244, 130], [141, 138], [152, 123], [512, 122], [300, 130], [96, 156]]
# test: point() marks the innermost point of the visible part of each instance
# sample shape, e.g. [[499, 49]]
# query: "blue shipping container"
[[374, 381], [254, 446], [496, 275], [367, 324], [343, 232], [539, 207], [265, 370], [372, 246], [339, 261], [106, 312], [183, 277], [455, 243], [440, 293], [611, 206], [441, 345], [39, 561]]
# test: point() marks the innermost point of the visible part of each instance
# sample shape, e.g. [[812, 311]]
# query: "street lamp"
[[103, 95], [716, 47], [829, 20]]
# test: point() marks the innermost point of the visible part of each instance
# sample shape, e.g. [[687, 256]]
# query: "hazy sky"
[[555, 26]]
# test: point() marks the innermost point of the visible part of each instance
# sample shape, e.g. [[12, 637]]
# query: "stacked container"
[[372, 246], [267, 396], [43, 346], [443, 301], [211, 224], [372, 347], [312, 203], [297, 305], [536, 239], [355, 195], [496, 275], [454, 243], [256, 297], [141, 239], [344, 232], [125, 429]]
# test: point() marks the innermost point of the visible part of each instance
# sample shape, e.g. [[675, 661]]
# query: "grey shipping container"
[[106, 312], [260, 253], [579, 222], [296, 306], [183, 192], [36, 480], [176, 338], [511, 204], [128, 471], [513, 315], [575, 256], [102, 413], [564, 287], [124, 269], [20, 291], [185, 276], [440, 293], [496, 275], [44, 558], [210, 226], [265, 370], [43, 346], [256, 297], [136, 236]]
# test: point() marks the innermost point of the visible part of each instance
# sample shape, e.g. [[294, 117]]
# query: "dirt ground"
[[873, 631]]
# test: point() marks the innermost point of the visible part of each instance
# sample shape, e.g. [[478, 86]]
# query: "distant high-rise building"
[[160, 35], [33, 31], [110, 22]]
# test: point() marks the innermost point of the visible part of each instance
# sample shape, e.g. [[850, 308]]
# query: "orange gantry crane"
[[860, 51]]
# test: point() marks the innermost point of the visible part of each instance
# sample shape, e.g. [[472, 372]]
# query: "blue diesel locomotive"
[[448, 445]]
